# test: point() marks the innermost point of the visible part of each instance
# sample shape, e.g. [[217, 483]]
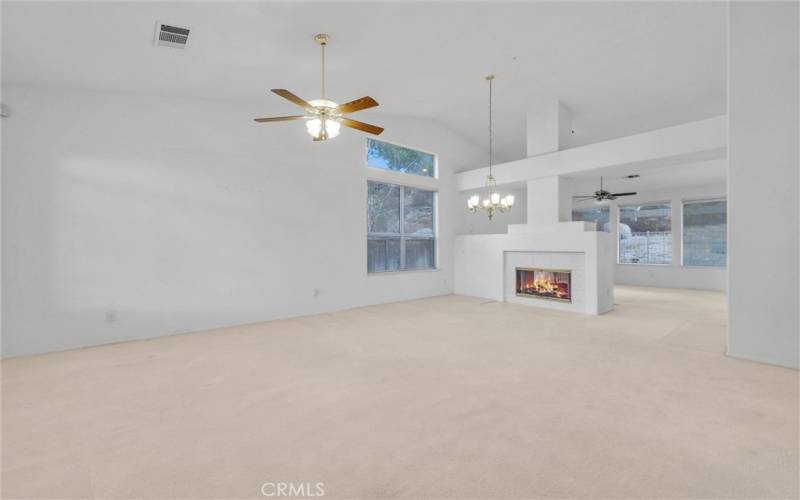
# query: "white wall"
[[763, 182], [2, 121], [130, 216], [674, 275]]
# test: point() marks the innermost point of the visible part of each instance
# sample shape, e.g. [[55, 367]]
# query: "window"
[[393, 157], [704, 233], [645, 234], [598, 215], [400, 232]]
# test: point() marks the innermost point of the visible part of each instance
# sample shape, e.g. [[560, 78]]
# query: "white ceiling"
[[622, 67]]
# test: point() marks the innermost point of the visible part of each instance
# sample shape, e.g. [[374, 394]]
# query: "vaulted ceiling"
[[621, 67]]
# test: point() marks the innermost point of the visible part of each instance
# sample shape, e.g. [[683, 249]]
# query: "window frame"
[[435, 175], [690, 201], [620, 206], [401, 234]]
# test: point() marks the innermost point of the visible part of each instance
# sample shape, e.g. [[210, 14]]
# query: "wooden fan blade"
[[300, 102], [623, 194], [584, 197], [366, 127], [357, 105], [279, 118]]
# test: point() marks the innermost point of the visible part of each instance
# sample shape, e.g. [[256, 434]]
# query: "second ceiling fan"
[[324, 117], [601, 195]]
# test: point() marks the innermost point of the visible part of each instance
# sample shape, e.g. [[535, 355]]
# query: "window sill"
[[409, 271], [643, 264], [722, 268]]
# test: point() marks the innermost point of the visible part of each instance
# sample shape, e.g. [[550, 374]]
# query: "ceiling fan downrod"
[[322, 40]]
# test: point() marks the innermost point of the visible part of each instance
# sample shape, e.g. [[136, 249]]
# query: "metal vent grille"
[[171, 36]]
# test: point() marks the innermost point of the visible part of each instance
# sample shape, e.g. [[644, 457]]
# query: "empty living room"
[[400, 249]]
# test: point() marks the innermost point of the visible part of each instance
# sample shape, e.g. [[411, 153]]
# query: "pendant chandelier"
[[492, 202]]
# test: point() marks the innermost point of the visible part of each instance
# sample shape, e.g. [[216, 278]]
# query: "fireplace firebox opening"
[[551, 284]]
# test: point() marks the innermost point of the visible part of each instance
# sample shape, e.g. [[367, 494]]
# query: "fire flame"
[[544, 284]]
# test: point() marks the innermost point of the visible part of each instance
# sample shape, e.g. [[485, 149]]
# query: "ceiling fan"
[[324, 117], [602, 196]]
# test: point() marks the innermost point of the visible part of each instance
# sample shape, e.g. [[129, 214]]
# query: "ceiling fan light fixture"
[[314, 128], [324, 118], [323, 103]]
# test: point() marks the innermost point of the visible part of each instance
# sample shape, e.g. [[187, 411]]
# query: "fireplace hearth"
[[550, 284]]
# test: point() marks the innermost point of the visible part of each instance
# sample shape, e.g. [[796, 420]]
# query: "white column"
[[549, 200], [677, 232], [565, 192], [763, 177], [549, 127]]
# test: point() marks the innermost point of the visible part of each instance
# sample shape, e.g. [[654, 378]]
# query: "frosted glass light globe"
[[322, 103], [314, 125], [332, 127]]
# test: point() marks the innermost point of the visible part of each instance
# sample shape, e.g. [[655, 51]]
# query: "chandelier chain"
[[490, 125], [322, 46]]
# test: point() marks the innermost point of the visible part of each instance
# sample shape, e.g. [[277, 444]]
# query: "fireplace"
[[551, 284]]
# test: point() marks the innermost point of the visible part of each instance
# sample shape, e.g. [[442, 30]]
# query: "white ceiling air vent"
[[171, 36]]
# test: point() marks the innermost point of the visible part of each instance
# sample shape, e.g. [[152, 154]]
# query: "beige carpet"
[[442, 397]]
